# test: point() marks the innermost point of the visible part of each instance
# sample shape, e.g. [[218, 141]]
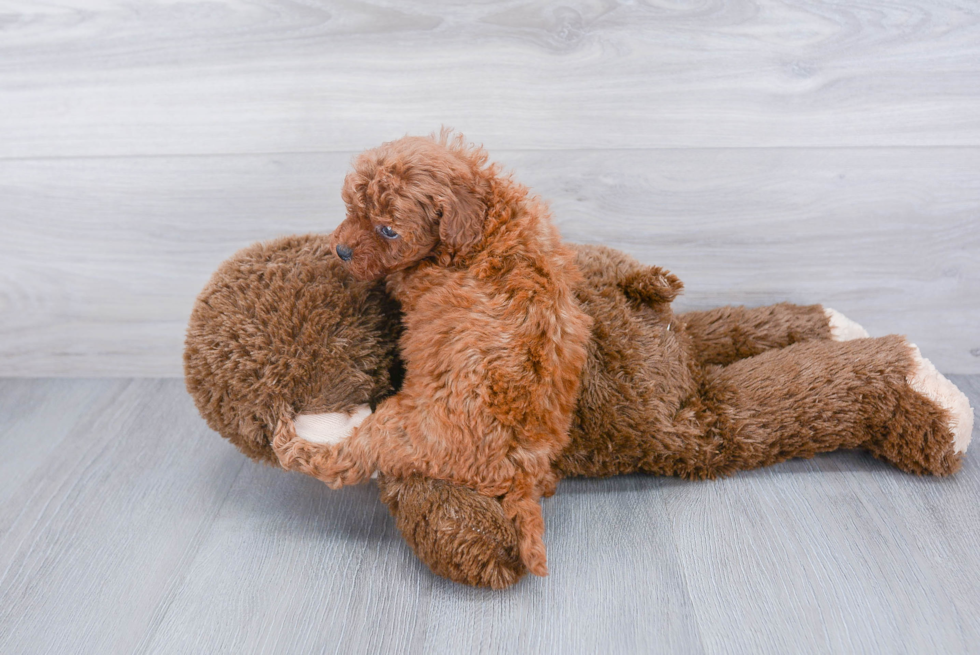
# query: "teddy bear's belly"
[[633, 395]]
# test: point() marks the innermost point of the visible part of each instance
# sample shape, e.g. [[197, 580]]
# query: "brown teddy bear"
[[284, 344]]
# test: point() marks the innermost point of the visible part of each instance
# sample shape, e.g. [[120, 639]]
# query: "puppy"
[[494, 341]]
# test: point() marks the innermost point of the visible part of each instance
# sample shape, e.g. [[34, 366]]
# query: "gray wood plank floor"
[[127, 526]]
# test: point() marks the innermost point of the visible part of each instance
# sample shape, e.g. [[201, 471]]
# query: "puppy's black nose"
[[344, 252]]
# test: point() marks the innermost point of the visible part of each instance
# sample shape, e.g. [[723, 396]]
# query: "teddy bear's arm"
[[459, 533], [727, 334], [605, 268]]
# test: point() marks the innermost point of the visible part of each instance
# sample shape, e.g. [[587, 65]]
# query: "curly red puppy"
[[494, 341]]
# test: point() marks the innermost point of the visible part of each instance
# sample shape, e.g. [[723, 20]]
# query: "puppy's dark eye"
[[387, 232]]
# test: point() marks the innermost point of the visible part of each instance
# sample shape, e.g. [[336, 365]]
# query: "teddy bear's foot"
[[843, 328], [929, 382]]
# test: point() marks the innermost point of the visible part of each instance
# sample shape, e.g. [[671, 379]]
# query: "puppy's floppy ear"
[[461, 224]]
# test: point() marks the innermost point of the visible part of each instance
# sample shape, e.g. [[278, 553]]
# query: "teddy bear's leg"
[[818, 396], [727, 334]]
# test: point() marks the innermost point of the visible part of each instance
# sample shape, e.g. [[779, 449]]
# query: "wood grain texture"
[[102, 258], [765, 150], [224, 76], [136, 529], [103, 524]]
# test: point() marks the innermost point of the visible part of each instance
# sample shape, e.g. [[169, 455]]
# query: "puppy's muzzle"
[[344, 252]]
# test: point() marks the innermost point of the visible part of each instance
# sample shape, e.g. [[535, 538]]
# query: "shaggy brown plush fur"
[[675, 411], [460, 534], [281, 329], [494, 342], [727, 334]]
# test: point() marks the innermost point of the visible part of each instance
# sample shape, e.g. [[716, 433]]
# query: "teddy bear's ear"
[[461, 223], [651, 286]]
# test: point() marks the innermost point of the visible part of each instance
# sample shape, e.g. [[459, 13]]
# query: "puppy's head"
[[410, 199]]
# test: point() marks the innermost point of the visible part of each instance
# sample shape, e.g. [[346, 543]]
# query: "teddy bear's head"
[[282, 329]]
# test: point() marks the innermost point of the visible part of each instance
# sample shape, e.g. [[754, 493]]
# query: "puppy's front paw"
[[330, 427], [328, 462], [294, 453]]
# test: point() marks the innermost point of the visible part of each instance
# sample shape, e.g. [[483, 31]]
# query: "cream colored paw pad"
[[331, 427], [934, 386], [843, 328]]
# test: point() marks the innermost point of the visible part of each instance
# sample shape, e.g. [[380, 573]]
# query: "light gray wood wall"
[[764, 151]]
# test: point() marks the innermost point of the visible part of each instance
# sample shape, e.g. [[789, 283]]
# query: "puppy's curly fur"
[[494, 340]]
